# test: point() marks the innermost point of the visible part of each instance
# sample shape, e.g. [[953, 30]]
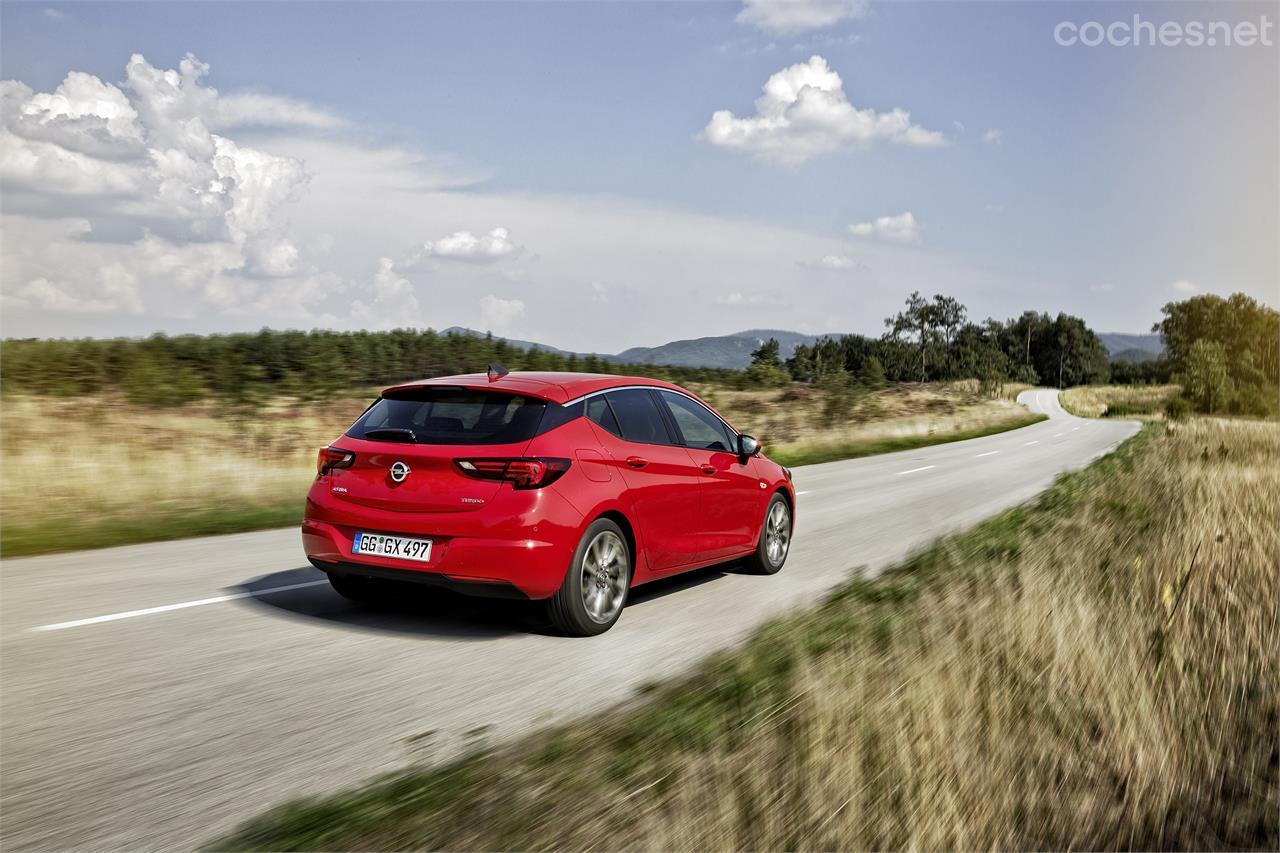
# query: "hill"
[[1126, 346]]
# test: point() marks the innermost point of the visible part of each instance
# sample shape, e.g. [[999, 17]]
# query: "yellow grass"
[[1098, 670], [89, 471], [1092, 401]]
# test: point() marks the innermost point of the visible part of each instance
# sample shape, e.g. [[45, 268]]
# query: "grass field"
[[1095, 670], [89, 472], [1117, 401]]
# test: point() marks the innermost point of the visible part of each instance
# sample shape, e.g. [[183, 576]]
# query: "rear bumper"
[[526, 553]]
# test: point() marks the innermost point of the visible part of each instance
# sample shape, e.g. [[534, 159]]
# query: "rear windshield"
[[452, 416]]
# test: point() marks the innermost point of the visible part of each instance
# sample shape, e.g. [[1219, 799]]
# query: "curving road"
[[156, 695]]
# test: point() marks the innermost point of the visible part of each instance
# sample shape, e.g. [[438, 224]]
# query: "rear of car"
[[438, 484]]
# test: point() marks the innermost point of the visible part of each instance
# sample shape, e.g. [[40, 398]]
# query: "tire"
[[594, 590], [775, 538], [356, 588]]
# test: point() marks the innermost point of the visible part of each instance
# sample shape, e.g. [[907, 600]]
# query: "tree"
[[767, 353], [1206, 381]]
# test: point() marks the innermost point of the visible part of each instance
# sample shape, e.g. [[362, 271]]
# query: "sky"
[[599, 175]]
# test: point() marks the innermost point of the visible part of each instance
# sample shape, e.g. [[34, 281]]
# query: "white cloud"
[[901, 228], [831, 262], [465, 246], [804, 113], [497, 315], [249, 109], [393, 304], [791, 16], [1184, 286], [599, 293], [993, 136], [55, 14], [1102, 287]]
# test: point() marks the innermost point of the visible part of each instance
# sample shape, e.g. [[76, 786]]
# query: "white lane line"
[[1073, 429], [164, 608], [913, 470], [805, 492], [988, 453], [1059, 434], [1029, 443]]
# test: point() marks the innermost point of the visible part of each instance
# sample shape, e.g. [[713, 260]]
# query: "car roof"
[[547, 385]]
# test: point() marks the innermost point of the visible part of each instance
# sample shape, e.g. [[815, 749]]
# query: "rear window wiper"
[[390, 434]]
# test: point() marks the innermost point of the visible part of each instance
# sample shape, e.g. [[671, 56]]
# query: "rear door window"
[[451, 416], [638, 416]]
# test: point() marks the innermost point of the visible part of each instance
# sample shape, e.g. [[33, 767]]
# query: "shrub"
[[1177, 408]]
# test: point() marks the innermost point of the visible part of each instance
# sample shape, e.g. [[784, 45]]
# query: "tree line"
[[933, 340], [243, 370]]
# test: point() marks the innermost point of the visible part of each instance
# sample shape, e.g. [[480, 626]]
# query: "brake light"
[[332, 457], [522, 473]]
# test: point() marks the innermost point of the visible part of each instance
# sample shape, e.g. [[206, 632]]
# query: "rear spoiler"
[[507, 385]]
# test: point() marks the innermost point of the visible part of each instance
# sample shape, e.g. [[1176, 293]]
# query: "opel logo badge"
[[399, 471]]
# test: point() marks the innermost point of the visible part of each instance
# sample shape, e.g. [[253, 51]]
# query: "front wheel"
[[595, 587], [775, 538]]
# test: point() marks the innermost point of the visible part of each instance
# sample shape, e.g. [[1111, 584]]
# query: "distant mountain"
[[732, 351], [515, 342], [1128, 347]]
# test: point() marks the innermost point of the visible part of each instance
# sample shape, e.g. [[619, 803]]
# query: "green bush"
[[1177, 408]]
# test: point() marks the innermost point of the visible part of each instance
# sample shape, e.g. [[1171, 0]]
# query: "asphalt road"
[[226, 676]]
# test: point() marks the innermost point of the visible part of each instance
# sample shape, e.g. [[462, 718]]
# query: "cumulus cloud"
[[497, 315], [804, 113], [792, 16], [393, 303], [1184, 286], [993, 136], [466, 246], [901, 228], [137, 165]]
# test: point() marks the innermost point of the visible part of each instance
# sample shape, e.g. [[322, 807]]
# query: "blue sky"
[[1101, 181]]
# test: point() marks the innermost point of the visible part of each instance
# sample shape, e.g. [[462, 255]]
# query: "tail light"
[[523, 473], [332, 457]]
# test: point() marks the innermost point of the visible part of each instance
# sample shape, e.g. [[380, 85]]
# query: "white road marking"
[[1073, 429], [1029, 443], [1059, 434], [164, 608], [988, 453], [913, 470], [805, 492]]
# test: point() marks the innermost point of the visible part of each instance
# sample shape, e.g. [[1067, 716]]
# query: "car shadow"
[[428, 611], [408, 608]]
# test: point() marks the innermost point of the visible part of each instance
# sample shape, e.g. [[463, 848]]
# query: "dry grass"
[[1096, 401], [77, 469], [1098, 670], [92, 471]]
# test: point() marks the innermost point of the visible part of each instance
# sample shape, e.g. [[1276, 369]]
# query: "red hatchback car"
[[566, 487]]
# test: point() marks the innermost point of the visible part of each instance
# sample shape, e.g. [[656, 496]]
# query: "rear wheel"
[[595, 588], [775, 538], [356, 588]]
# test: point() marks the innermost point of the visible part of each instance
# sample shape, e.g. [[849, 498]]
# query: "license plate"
[[378, 545]]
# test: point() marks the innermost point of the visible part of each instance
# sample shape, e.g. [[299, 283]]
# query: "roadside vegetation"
[[96, 470], [1118, 401], [1094, 670]]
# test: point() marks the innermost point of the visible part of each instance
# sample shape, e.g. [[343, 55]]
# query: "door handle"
[[708, 469], [637, 462]]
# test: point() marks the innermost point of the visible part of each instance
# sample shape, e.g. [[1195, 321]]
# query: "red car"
[[566, 487]]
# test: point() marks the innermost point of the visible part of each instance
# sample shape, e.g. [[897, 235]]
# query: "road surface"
[[156, 695]]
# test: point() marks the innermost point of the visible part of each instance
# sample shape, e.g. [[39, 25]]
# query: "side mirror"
[[747, 446]]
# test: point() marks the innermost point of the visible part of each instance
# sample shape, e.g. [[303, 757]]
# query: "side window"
[[598, 410], [638, 415], [698, 426]]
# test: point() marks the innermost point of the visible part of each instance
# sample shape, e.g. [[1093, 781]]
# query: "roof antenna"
[[497, 371]]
